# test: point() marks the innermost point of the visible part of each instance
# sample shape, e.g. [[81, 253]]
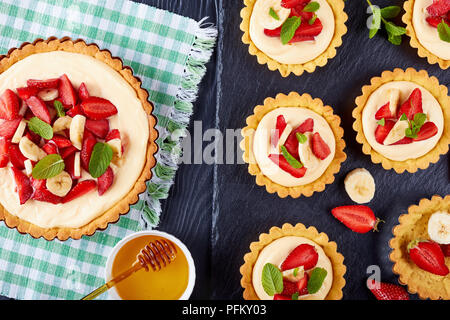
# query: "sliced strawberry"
[[39, 109], [38, 184], [405, 140], [98, 127], [46, 196], [79, 190], [298, 12], [387, 291], [358, 218], [301, 38], [279, 128], [26, 92], [61, 141], [285, 166], [33, 136], [384, 112], [4, 150], [434, 21], [381, 132], [76, 109], [43, 84], [319, 147], [293, 3], [289, 288], [4, 160], [445, 249], [83, 92], [291, 143], [439, 8], [278, 296], [97, 108], [89, 142], [428, 256], [67, 93], [69, 163], [411, 106], [23, 184], [428, 130], [309, 30], [9, 127], [16, 157], [114, 134], [302, 285], [65, 152], [50, 148], [105, 181], [304, 255], [273, 32], [9, 105]]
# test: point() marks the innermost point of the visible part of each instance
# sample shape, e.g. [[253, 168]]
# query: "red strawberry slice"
[[16, 157], [428, 130], [61, 141], [405, 140], [273, 32], [291, 143], [33, 136], [445, 249], [26, 92], [113, 134], [9, 105], [309, 30], [97, 108], [302, 285], [105, 181], [69, 163], [298, 12], [381, 132], [65, 152], [285, 166], [100, 128], [67, 93], [293, 3], [387, 291], [439, 8], [50, 148], [358, 218], [301, 38], [281, 297], [279, 128], [433, 21], [4, 160], [9, 127], [289, 288], [428, 256], [411, 106], [39, 109], [4, 149], [303, 255], [76, 109], [38, 184], [89, 142], [23, 184], [79, 190], [43, 84], [46, 196], [83, 92], [384, 112], [319, 147]]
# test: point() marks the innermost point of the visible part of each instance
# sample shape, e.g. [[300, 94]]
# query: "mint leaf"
[[394, 30], [390, 12], [397, 40], [41, 128], [419, 119], [381, 122], [311, 7], [295, 272], [316, 279], [403, 117], [376, 22], [313, 19], [273, 14], [288, 29], [290, 159], [301, 137], [272, 279], [444, 31], [59, 108], [48, 167], [295, 296], [100, 159]]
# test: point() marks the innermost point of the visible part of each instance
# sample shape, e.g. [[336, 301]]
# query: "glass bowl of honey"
[[174, 281]]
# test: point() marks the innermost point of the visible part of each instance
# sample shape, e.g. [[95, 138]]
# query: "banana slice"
[[19, 131], [116, 146], [360, 185], [307, 157], [439, 227], [62, 123], [48, 94], [28, 167], [30, 150], [394, 97], [59, 185], [262, 9], [77, 165], [77, 130], [397, 132], [289, 274]]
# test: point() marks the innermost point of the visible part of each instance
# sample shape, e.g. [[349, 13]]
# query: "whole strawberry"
[[359, 218], [428, 256], [387, 291]]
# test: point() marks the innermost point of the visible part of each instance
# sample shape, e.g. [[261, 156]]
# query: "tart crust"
[[293, 100], [299, 230], [413, 225], [414, 41], [298, 69], [440, 92], [122, 206]]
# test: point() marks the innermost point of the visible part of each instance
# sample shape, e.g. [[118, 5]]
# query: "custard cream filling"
[[132, 121], [430, 106], [295, 53]]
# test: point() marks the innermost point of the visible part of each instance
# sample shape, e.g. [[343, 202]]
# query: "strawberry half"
[[16, 157], [26, 92], [114, 134], [405, 140], [303, 255], [66, 152], [44, 195], [43, 84], [50, 148], [79, 190], [428, 130], [67, 93], [387, 291], [381, 132], [433, 21], [61, 141], [100, 128], [39, 109], [38, 184], [383, 112], [439, 8], [285, 166], [76, 109], [358, 218], [23, 184], [4, 148], [69, 163], [9, 105], [105, 181], [89, 142], [83, 92], [289, 288], [307, 30], [278, 296], [319, 147], [97, 108], [279, 128], [291, 143], [428, 256], [9, 127], [411, 106]]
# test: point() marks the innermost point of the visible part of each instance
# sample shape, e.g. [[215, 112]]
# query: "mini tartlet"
[[403, 155], [327, 41], [71, 219], [311, 235], [424, 37], [412, 226], [298, 112]]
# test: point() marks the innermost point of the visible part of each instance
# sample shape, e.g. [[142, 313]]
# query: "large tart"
[[401, 120], [422, 18], [296, 253], [293, 145], [318, 24], [97, 109]]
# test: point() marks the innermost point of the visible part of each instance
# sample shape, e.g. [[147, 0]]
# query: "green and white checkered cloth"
[[168, 52]]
